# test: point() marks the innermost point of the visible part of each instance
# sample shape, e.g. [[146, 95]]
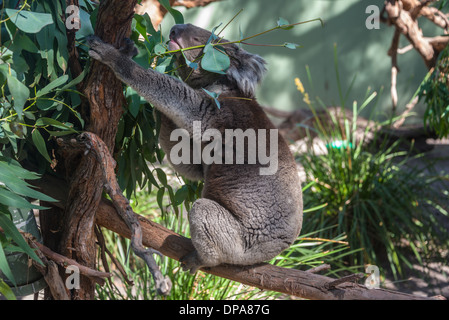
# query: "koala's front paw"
[[128, 48], [191, 262], [99, 50]]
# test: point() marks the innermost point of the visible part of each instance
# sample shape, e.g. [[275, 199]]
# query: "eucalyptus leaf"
[[20, 93], [161, 176], [10, 230], [45, 39], [20, 187], [284, 24], [214, 96], [191, 64], [291, 45], [181, 195], [28, 21], [15, 169], [159, 198], [215, 60], [177, 16], [39, 142], [52, 122], [4, 266], [6, 291], [11, 199], [23, 42], [52, 85], [159, 49]]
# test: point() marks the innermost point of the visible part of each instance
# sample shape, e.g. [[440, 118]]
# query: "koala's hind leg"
[[216, 235]]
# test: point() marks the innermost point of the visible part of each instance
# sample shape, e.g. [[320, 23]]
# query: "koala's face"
[[245, 72], [185, 36]]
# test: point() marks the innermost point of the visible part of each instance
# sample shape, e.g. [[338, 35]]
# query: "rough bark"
[[96, 148], [105, 96]]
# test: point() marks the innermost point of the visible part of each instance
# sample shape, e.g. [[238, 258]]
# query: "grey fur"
[[243, 217]]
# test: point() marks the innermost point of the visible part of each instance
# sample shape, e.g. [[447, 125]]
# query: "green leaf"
[[45, 39], [159, 49], [55, 123], [144, 26], [23, 42], [291, 45], [213, 36], [75, 81], [39, 142], [282, 22], [161, 176], [6, 291], [4, 266], [28, 21], [215, 60], [20, 187], [179, 19], [20, 93], [11, 199], [19, 172], [53, 84], [159, 197], [10, 230], [191, 64], [181, 195], [214, 96]]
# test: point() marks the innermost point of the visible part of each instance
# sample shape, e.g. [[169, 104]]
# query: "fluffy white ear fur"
[[246, 71]]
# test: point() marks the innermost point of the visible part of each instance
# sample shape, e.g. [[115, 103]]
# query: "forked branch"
[[93, 145]]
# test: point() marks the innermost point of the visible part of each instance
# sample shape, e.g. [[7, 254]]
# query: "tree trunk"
[[104, 93]]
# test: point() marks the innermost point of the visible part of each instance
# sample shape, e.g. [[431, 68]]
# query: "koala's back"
[[268, 206]]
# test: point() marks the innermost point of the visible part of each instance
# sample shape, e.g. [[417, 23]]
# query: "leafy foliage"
[[435, 91], [39, 101], [377, 196], [15, 192]]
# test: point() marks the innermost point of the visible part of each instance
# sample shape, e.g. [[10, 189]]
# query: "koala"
[[243, 217]]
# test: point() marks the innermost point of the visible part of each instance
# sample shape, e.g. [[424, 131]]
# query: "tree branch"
[[393, 53], [403, 15], [96, 147], [264, 276]]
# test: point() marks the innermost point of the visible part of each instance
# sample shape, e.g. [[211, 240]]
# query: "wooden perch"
[[303, 284], [95, 275], [50, 271]]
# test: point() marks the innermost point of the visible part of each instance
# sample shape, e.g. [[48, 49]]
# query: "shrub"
[[380, 197]]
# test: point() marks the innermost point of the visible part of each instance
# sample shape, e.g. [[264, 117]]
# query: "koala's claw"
[[128, 48], [102, 51], [190, 262], [96, 47]]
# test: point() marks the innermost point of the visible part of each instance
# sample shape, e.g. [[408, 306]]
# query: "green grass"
[[375, 194]]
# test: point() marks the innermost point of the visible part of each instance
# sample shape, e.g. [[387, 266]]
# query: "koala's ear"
[[246, 70]]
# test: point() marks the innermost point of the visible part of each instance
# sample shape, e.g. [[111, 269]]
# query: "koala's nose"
[[177, 30]]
